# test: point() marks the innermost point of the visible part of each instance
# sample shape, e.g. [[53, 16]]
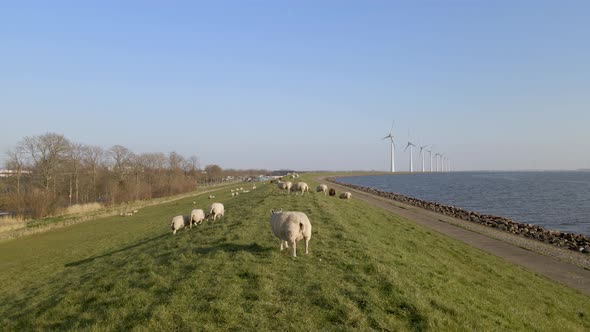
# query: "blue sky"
[[496, 85]]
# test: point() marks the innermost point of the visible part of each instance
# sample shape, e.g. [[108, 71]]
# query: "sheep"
[[135, 211], [346, 195], [197, 217], [332, 192], [211, 197], [253, 187], [302, 187], [194, 203], [246, 191], [285, 185], [322, 188], [233, 194], [289, 185], [216, 209], [178, 222], [290, 227]]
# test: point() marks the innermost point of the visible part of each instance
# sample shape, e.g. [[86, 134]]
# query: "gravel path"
[[565, 266]]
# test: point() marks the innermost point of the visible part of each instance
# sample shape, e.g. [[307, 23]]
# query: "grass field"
[[367, 269]]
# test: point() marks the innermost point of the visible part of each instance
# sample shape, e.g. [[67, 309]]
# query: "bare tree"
[[76, 156], [16, 162], [191, 165], [47, 152], [121, 158], [94, 157]]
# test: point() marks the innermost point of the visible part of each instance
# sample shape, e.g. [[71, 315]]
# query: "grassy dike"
[[367, 269]]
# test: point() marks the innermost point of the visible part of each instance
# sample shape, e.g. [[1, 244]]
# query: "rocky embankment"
[[570, 241]]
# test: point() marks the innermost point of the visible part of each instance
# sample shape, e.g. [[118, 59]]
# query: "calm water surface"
[[554, 200]]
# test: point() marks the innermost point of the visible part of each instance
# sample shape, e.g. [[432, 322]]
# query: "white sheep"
[[179, 222], [346, 195], [322, 188], [285, 185], [211, 197], [197, 217], [233, 194], [253, 187], [290, 227], [302, 187], [216, 209]]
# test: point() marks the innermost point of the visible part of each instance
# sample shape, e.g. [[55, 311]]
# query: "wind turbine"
[[410, 145], [422, 148], [442, 162], [390, 136], [436, 157], [430, 154]]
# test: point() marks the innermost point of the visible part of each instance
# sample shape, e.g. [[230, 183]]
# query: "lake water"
[[553, 200]]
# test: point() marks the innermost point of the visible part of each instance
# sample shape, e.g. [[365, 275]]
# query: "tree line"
[[50, 172]]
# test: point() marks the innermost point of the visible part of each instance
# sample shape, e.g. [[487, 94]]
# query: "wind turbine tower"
[[390, 136], [430, 154], [410, 145], [436, 157], [422, 149]]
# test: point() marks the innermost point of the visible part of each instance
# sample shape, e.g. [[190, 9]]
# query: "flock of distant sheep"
[[288, 226]]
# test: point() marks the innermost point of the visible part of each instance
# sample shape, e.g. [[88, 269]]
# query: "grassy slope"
[[366, 269]]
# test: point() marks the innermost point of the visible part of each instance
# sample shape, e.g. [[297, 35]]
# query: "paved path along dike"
[[551, 267]]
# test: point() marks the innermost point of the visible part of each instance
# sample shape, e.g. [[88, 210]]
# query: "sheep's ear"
[[272, 211]]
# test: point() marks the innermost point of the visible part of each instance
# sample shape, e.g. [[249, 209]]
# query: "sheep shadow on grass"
[[110, 253], [253, 248]]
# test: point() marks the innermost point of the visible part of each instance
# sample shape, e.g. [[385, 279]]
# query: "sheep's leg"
[[307, 246], [281, 241], [174, 232], [294, 244]]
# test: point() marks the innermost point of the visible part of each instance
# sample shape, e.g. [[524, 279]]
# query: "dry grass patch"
[[82, 208], [8, 224]]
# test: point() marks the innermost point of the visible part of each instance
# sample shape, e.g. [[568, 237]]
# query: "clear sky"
[[496, 85]]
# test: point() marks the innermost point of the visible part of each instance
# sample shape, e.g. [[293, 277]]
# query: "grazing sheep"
[[135, 211], [289, 186], [194, 203], [211, 197], [332, 192], [322, 188], [233, 194], [216, 209], [253, 187], [346, 195], [197, 217], [179, 222], [246, 191], [302, 187], [285, 185], [290, 227]]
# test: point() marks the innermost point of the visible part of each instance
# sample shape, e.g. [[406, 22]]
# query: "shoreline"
[[571, 241], [559, 264]]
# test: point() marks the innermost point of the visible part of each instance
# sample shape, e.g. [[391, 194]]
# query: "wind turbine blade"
[[392, 123]]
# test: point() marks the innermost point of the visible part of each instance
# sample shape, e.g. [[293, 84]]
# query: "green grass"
[[367, 269]]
